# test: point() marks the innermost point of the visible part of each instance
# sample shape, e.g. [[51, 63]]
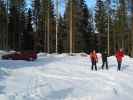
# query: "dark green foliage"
[[101, 20], [86, 28], [28, 34], [46, 13], [17, 32], [82, 27], [17, 24], [14, 28], [3, 25]]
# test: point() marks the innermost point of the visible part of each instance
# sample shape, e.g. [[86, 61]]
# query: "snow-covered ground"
[[64, 77]]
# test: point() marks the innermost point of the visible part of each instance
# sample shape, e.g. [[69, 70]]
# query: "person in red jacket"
[[119, 55], [94, 59]]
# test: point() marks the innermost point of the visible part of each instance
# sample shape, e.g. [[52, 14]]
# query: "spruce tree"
[[28, 34], [16, 23], [121, 25], [86, 28], [101, 20], [61, 35], [13, 27], [3, 26], [71, 17], [82, 26], [131, 33], [46, 31]]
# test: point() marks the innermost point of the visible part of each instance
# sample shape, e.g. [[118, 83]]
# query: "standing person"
[[119, 55], [94, 59], [104, 59]]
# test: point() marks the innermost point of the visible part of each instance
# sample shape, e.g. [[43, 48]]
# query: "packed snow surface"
[[65, 77]]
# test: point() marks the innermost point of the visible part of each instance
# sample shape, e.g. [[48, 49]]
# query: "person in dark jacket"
[[94, 59], [119, 55], [104, 59]]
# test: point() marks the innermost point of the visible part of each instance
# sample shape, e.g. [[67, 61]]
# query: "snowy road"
[[63, 77]]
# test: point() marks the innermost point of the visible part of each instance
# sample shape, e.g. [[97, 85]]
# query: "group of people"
[[94, 59]]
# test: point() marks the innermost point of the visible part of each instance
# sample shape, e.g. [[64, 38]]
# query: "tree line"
[[43, 27]]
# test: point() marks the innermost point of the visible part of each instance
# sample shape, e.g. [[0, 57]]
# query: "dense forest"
[[43, 27]]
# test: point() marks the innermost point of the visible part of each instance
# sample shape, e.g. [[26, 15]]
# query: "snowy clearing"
[[64, 77]]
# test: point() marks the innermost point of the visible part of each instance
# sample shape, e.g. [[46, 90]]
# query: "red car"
[[25, 55]]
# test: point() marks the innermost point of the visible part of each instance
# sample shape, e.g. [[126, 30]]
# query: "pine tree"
[[121, 25], [38, 45], [131, 33], [3, 25], [101, 20], [46, 31], [13, 28], [22, 19], [28, 34], [16, 23], [71, 17], [82, 26], [36, 12], [86, 28], [111, 34], [61, 36]]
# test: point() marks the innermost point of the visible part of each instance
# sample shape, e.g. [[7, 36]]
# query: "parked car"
[[24, 55]]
